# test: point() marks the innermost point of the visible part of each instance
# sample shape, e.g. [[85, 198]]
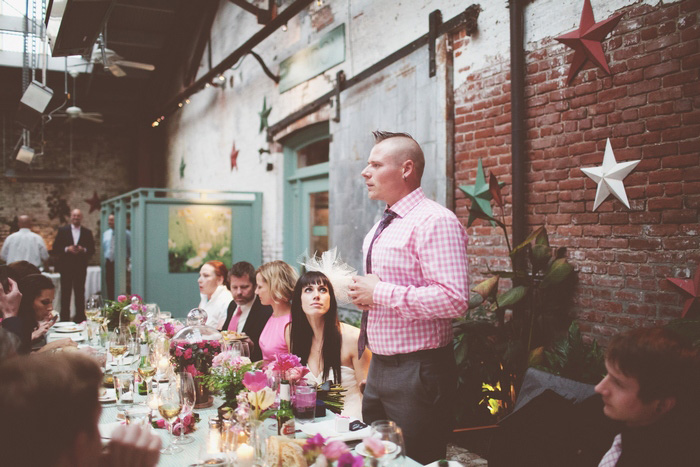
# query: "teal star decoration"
[[182, 168], [264, 113], [480, 197]]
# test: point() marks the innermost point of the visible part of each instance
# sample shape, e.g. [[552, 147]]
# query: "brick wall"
[[650, 110], [102, 158]]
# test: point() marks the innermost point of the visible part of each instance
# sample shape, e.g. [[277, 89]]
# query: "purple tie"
[[388, 216]]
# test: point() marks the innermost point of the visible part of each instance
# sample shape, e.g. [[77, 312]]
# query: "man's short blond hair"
[[412, 151]]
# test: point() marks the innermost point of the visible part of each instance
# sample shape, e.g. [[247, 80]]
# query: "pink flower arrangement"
[[260, 396], [317, 451], [230, 359], [288, 366], [189, 423], [192, 357]]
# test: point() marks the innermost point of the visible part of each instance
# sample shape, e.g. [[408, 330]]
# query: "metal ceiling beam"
[[277, 22], [264, 16]]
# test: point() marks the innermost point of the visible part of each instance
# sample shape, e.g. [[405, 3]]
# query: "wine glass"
[[392, 437], [93, 307], [147, 369], [119, 343], [185, 384], [169, 408]]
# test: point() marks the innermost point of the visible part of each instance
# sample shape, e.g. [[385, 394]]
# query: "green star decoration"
[[480, 197], [182, 168], [264, 113]]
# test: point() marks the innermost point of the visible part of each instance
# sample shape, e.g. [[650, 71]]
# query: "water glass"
[[392, 437], [124, 388], [138, 415], [305, 401]]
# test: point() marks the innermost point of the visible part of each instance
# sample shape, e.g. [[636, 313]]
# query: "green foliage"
[[575, 359], [228, 380]]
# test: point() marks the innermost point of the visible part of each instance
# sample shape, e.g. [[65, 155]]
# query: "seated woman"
[[326, 346], [34, 317], [213, 289], [274, 286]]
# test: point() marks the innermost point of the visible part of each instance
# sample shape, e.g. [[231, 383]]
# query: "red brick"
[[631, 256], [627, 230], [662, 42], [661, 204], [686, 160], [597, 230], [666, 94], [659, 150], [634, 101], [679, 217], [644, 61], [644, 243], [681, 243], [613, 243]]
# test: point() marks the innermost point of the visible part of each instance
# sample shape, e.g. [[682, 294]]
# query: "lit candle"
[[245, 454], [163, 365]]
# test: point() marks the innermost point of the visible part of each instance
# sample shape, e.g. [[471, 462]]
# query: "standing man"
[[108, 244], [73, 246], [24, 245], [246, 313], [415, 284]]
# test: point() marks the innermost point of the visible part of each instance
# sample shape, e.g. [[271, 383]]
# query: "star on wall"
[[264, 113], [234, 157], [609, 177], [690, 287], [480, 196], [182, 168], [94, 202], [587, 40]]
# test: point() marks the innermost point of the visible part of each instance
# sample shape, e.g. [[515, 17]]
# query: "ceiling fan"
[[74, 112], [113, 62]]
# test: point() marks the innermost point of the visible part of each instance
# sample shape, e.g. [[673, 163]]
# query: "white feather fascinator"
[[338, 272]]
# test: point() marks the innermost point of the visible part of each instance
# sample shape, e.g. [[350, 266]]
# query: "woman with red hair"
[[213, 289]]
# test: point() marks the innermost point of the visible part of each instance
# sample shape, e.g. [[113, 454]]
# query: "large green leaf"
[[487, 287], [475, 300], [541, 254], [527, 241], [512, 296], [559, 271], [461, 351], [542, 238]]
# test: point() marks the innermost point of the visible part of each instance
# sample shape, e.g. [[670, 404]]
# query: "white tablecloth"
[[93, 281]]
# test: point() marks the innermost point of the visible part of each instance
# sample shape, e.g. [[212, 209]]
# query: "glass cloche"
[[195, 330]]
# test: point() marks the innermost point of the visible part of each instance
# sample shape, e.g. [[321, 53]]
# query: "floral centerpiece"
[[195, 358], [288, 366], [114, 308], [227, 375], [188, 422], [322, 453], [260, 396]]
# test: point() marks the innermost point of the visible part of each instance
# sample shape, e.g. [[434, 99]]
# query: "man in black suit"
[[246, 313], [73, 247]]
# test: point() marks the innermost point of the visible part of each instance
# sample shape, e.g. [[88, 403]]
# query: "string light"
[[155, 124], [180, 104], [284, 27], [207, 85], [222, 78], [187, 101]]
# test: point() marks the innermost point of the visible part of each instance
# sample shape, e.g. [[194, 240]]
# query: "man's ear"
[[665, 405], [407, 168]]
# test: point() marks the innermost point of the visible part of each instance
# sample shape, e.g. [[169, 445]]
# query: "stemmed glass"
[[147, 369], [185, 384], [93, 309], [170, 405], [392, 437], [119, 343]]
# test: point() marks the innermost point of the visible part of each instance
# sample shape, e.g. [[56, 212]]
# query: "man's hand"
[[132, 445], [10, 300], [59, 344], [362, 290]]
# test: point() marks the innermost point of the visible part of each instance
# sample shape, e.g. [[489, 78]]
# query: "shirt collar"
[[408, 202], [74, 227]]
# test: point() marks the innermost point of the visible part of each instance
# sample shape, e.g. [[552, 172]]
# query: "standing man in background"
[[73, 246], [108, 245], [415, 285], [24, 245]]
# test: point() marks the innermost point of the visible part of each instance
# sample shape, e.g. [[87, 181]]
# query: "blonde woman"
[[275, 283]]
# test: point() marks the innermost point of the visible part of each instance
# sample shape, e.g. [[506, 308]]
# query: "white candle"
[[245, 454], [163, 365]]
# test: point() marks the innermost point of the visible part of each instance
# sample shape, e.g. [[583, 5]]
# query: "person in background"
[[275, 283], [25, 245], [50, 412], [20, 269], [74, 245], [652, 389], [34, 317], [324, 344], [108, 245], [245, 313], [214, 293], [415, 284]]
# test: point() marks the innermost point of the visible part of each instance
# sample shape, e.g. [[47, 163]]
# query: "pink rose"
[[121, 298], [178, 352], [191, 370], [205, 350], [348, 460], [188, 353], [200, 345], [335, 449], [255, 381], [161, 423]]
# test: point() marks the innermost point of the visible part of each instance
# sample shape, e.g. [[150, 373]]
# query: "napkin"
[[327, 429]]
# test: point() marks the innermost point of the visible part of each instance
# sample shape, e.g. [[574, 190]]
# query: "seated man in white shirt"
[[24, 245]]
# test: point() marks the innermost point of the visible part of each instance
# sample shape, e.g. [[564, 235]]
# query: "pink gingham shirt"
[[421, 259]]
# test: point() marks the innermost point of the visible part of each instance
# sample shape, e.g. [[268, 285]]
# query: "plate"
[[63, 324], [109, 396], [388, 446], [327, 430], [72, 328]]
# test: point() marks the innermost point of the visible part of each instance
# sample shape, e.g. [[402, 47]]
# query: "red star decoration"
[[94, 202], [587, 40], [690, 287], [234, 157]]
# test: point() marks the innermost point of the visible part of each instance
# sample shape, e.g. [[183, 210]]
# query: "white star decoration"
[[609, 177]]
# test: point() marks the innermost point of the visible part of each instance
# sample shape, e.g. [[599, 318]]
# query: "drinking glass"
[[93, 307], [138, 415], [185, 384], [119, 343], [305, 401], [147, 369], [236, 348], [169, 408], [152, 311], [392, 437], [124, 388]]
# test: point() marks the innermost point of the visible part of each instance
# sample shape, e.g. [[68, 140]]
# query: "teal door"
[[306, 192]]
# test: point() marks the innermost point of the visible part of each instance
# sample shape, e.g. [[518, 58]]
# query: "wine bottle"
[[146, 369], [285, 416]]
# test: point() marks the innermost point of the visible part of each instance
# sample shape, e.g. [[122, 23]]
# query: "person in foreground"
[[274, 286], [416, 283], [652, 388], [326, 346], [245, 312], [50, 414], [214, 293]]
